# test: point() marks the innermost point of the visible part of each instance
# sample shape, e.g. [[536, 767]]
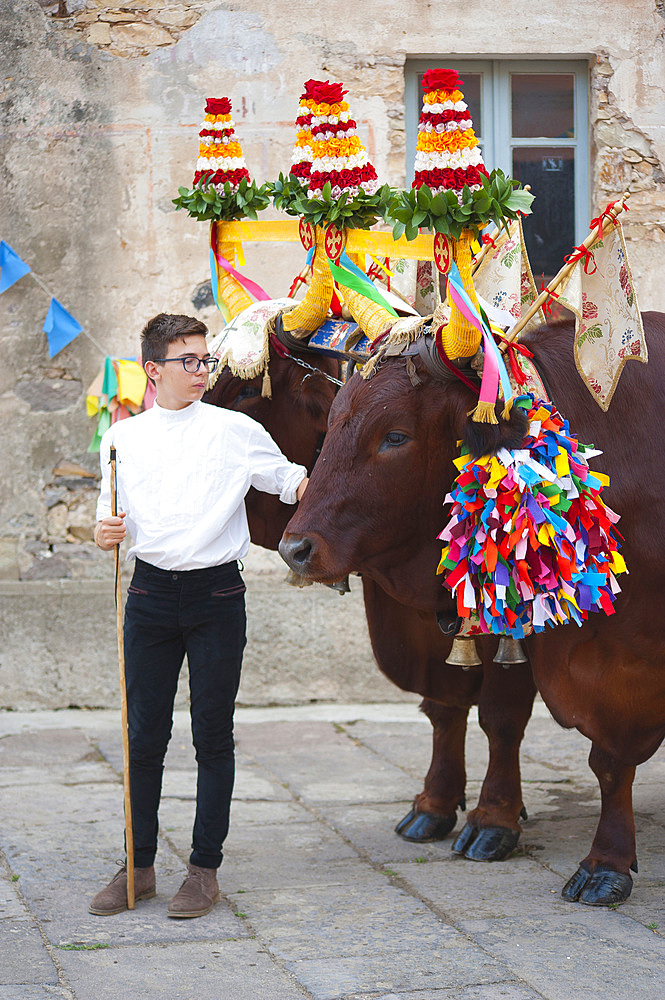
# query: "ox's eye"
[[248, 391], [394, 439]]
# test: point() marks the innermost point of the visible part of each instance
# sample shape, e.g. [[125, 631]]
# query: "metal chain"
[[313, 370]]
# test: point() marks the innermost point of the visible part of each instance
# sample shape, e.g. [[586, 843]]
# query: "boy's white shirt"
[[182, 479]]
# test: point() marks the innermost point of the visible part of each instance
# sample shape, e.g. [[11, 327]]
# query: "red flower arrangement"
[[325, 93], [441, 79], [218, 106]]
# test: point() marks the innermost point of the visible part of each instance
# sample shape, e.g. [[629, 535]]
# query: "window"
[[531, 118]]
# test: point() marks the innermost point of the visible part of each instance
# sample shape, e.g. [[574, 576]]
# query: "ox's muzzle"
[[297, 552]]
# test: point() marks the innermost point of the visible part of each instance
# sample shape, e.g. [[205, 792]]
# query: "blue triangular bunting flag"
[[60, 327], [11, 266]]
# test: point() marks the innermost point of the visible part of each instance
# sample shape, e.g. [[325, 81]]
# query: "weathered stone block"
[[99, 33], [177, 18], [139, 35], [56, 521], [48, 394], [8, 559]]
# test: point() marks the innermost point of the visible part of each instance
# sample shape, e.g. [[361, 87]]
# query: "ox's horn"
[[372, 318], [309, 314], [229, 290], [459, 337]]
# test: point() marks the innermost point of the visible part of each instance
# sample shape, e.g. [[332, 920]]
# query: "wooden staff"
[[129, 829], [563, 274]]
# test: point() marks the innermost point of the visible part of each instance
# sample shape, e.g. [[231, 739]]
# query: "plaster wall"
[[100, 109]]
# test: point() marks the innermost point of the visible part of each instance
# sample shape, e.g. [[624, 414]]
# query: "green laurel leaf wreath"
[[499, 200], [359, 212], [204, 203]]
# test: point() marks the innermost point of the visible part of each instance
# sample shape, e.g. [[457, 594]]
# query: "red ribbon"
[[513, 350], [607, 214], [582, 253], [489, 240], [547, 304], [298, 280]]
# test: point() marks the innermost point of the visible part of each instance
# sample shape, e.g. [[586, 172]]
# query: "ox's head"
[[296, 418], [374, 501]]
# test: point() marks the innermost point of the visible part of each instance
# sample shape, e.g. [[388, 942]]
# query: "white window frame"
[[495, 129]]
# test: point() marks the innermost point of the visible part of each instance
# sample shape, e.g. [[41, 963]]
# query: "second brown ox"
[[409, 647]]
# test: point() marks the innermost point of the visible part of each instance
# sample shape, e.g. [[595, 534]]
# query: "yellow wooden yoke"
[[381, 244], [308, 315]]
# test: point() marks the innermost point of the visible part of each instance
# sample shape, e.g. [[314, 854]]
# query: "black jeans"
[[200, 613]]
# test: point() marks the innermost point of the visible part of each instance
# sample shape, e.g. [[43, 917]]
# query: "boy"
[[183, 470]]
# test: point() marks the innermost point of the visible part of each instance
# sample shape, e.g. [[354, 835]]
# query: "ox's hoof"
[[422, 827], [492, 843], [603, 887]]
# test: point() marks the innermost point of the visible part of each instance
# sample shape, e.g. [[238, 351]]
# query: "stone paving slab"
[[567, 959], [63, 913], [356, 916], [23, 957], [213, 970], [16, 992], [491, 991], [300, 755], [454, 964]]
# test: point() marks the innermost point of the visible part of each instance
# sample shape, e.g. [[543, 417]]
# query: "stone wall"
[[100, 110]]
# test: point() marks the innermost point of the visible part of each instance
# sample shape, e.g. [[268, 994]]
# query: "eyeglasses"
[[192, 364]]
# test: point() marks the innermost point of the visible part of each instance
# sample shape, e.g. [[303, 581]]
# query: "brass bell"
[[509, 651], [464, 654]]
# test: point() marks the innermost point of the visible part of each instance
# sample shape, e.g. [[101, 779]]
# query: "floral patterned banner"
[[243, 343], [503, 277], [608, 324]]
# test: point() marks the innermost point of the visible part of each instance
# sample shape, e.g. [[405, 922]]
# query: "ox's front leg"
[[506, 699], [603, 878], [434, 811]]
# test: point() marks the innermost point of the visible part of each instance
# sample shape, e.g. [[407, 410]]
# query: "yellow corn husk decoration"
[[372, 318], [309, 314], [229, 290], [460, 339]]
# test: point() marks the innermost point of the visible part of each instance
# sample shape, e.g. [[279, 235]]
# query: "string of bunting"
[[60, 327], [530, 542]]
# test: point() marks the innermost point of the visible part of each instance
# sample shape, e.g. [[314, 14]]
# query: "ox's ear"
[[487, 439]]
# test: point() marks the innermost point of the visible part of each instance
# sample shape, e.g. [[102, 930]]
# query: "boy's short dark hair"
[[162, 330]]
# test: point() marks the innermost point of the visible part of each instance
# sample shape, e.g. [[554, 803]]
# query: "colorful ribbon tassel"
[[530, 541]]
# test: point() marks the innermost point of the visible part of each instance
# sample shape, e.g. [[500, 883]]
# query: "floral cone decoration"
[[447, 152], [338, 155], [220, 154], [447, 159], [340, 159], [220, 161], [301, 161], [530, 541]]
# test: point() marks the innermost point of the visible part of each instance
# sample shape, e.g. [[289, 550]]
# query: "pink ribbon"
[[489, 386], [249, 285]]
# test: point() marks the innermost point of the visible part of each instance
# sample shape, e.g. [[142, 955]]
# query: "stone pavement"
[[320, 898]]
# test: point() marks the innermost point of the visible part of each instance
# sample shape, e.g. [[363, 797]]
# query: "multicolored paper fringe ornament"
[[220, 154], [530, 540], [301, 161], [338, 154], [447, 151]]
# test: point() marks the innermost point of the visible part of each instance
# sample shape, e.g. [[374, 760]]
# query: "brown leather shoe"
[[113, 898], [197, 895]]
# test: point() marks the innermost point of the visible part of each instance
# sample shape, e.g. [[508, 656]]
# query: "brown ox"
[[409, 647], [374, 505]]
